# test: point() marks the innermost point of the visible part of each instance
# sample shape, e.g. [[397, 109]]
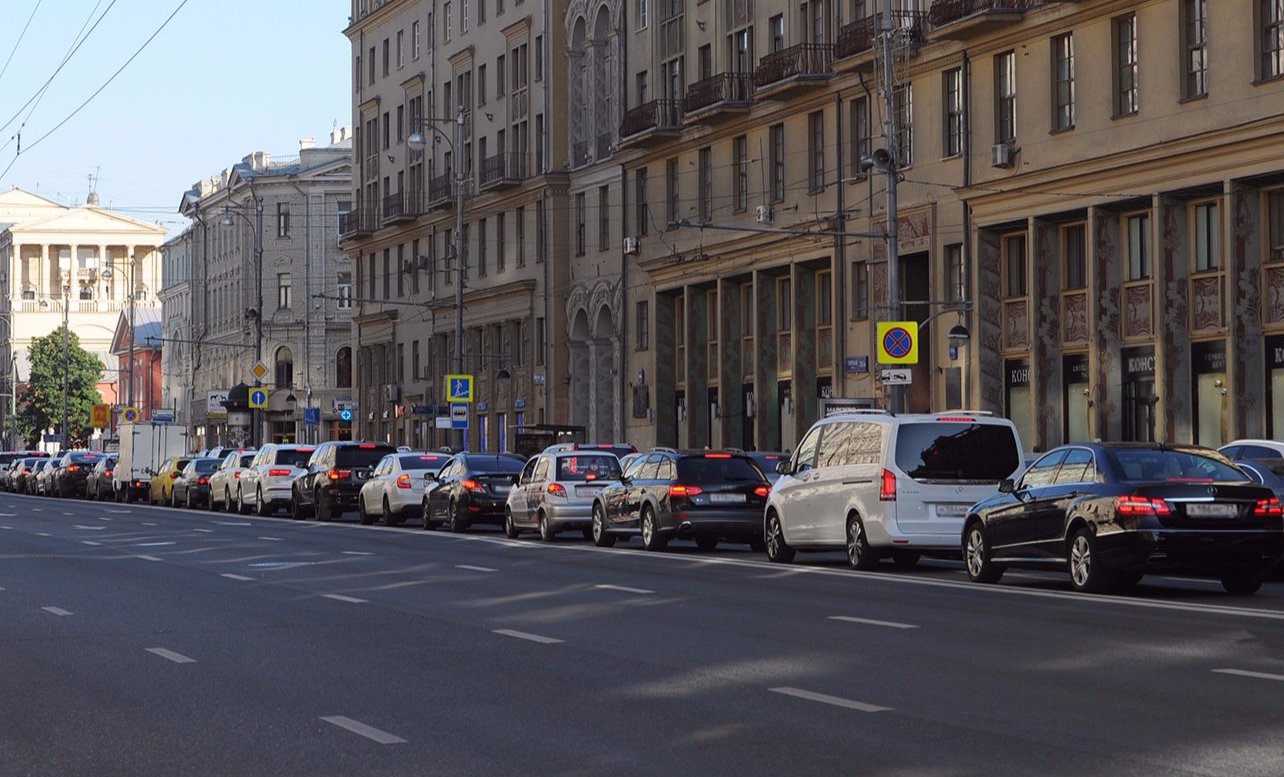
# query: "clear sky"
[[223, 79]]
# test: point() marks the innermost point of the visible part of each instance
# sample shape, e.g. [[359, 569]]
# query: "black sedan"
[[471, 488], [1114, 512], [192, 486], [98, 484], [68, 480]]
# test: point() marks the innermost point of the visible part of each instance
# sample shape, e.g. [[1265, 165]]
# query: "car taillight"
[[1269, 508], [717, 455], [403, 481], [1137, 506], [107, 473], [237, 474], [173, 475], [763, 491], [557, 489], [957, 419], [685, 491], [278, 473], [887, 487], [472, 485], [73, 468], [202, 481], [339, 474]]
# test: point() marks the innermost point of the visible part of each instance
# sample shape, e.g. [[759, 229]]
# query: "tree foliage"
[[41, 401]]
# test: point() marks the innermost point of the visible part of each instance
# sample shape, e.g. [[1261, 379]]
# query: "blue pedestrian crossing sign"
[[459, 388], [258, 398]]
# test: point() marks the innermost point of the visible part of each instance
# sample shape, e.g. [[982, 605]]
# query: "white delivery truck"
[[143, 448]]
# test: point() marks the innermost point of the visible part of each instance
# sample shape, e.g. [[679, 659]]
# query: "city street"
[[151, 641]]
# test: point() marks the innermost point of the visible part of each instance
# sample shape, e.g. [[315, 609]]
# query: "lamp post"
[[256, 226], [417, 142]]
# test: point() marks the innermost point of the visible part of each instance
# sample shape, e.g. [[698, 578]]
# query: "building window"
[[776, 33], [343, 368], [1194, 30], [415, 42], [1063, 82], [816, 151], [740, 148], [501, 83], [860, 134], [1005, 97], [345, 291], [370, 61], [1074, 256], [904, 107], [370, 275], [401, 48], [501, 242], [705, 158], [956, 277], [481, 86], [481, 12], [1138, 228], [463, 16], [1272, 39], [642, 216], [1208, 241], [283, 219], [539, 57], [579, 224], [539, 341], [603, 218], [784, 305], [415, 373], [952, 94], [643, 325], [283, 296], [1014, 266], [1125, 65], [449, 16], [519, 223], [777, 162], [670, 193], [643, 13], [386, 58], [387, 273], [541, 231], [284, 367], [1275, 227], [481, 244], [860, 291]]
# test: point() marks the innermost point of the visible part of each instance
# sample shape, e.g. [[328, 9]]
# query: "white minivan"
[[887, 486]]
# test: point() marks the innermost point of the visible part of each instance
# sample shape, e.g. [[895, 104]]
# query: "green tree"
[[41, 401]]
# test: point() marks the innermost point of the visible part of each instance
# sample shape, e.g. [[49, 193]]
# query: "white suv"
[[264, 486], [882, 485]]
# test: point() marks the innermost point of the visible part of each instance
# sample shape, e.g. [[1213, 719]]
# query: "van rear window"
[[941, 452]]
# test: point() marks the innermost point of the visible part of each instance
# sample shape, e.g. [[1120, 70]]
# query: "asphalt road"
[[149, 641]]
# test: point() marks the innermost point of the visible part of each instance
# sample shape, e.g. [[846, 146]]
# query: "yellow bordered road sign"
[[898, 342]]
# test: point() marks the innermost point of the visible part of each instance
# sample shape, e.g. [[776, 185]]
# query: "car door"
[[439, 496], [1014, 527], [796, 491], [517, 499], [539, 482], [630, 498], [1076, 477]]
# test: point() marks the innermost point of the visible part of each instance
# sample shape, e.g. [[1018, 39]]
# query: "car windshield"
[[293, 457], [588, 466], [1174, 466], [360, 456], [714, 468], [204, 466], [493, 465], [953, 452], [423, 461]]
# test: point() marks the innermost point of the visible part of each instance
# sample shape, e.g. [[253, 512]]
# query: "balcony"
[[651, 122], [440, 190], [402, 207], [806, 65], [580, 153], [604, 146], [503, 170], [854, 49], [357, 223], [719, 97], [963, 19]]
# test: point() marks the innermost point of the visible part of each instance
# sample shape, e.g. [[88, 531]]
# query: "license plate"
[[951, 511], [588, 490], [1211, 510], [727, 499], [502, 489]]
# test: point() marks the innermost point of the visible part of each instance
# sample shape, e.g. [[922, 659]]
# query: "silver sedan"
[[555, 492]]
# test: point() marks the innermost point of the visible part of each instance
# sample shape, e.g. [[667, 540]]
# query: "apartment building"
[[476, 212], [176, 319], [1090, 188], [274, 286]]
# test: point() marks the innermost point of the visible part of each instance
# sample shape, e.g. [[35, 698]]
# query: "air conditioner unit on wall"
[[1004, 155], [763, 214], [392, 392], [630, 245]]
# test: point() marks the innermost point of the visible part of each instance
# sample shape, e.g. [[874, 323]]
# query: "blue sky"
[[223, 79]]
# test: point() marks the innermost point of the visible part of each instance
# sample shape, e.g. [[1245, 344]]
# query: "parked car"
[[1113, 512], [334, 476], [707, 496], [24, 479], [161, 487], [1252, 449], [556, 489], [1266, 472], [471, 488], [883, 485], [44, 474], [69, 479], [192, 486], [264, 486], [98, 482], [224, 481], [8, 458], [620, 449], [769, 462], [395, 489]]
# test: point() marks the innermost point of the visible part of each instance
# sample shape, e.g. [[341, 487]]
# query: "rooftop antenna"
[[92, 199]]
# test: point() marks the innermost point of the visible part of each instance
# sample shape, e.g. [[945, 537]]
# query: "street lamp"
[[256, 313], [417, 142]]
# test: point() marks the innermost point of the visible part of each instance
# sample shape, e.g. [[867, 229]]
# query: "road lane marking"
[[1257, 675], [43, 534], [177, 658], [473, 568], [120, 512], [90, 528], [835, 701], [7, 528], [68, 513], [102, 517], [233, 523], [231, 576], [152, 544], [529, 637], [272, 539], [56, 611], [356, 552], [624, 588], [361, 729], [8, 515], [204, 531], [342, 598], [871, 622], [89, 542], [148, 558], [145, 523]]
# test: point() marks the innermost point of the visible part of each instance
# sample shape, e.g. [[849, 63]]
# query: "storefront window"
[[1019, 408]]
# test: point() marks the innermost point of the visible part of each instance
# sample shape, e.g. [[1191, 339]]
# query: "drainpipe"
[[840, 258], [966, 382], [307, 284], [622, 426]]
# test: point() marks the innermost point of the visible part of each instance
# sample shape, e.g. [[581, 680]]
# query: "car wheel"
[[321, 509], [601, 537], [209, 502], [1241, 582], [652, 539], [906, 559], [173, 499], [458, 523], [778, 551], [429, 523], [1086, 573], [859, 554], [363, 515], [389, 517], [546, 531], [298, 511], [191, 504], [976, 555], [707, 543], [242, 507], [510, 528]]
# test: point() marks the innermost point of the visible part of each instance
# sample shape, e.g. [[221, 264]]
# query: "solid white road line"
[[8, 515], [342, 598], [231, 576], [528, 637], [56, 611], [89, 528], [89, 542], [871, 622], [152, 544], [624, 588], [43, 534], [145, 523], [473, 568], [354, 552], [1244, 673], [120, 512], [234, 523], [799, 693], [148, 558], [272, 539], [177, 658], [204, 531], [361, 729]]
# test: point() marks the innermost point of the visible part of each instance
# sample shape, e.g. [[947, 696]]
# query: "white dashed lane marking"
[[1255, 675], [361, 729], [90, 542], [231, 576], [152, 544], [871, 622], [835, 701], [204, 531], [626, 589], [149, 558], [528, 637], [177, 658], [56, 611], [472, 568], [272, 539], [342, 598], [356, 552], [89, 528]]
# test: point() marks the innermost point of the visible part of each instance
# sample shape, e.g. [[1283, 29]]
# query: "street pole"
[[66, 361], [896, 395], [130, 291], [461, 248], [258, 309]]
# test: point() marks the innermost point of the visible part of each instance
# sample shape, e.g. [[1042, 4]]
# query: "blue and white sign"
[[163, 416], [459, 416], [857, 363], [258, 398], [312, 415], [345, 415]]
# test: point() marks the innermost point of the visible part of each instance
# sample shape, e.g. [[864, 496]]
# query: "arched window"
[[284, 367], [343, 368]]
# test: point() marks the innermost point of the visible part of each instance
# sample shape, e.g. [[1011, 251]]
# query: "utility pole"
[[66, 361], [461, 248], [886, 26]]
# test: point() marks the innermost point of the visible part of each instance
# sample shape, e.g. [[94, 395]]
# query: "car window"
[[526, 472], [541, 470], [1152, 464], [1044, 471], [295, 457], [943, 451], [205, 466], [429, 461], [634, 466], [805, 456], [1231, 451], [1257, 452], [1078, 467], [666, 470], [590, 466], [360, 456], [834, 438], [650, 467], [716, 469]]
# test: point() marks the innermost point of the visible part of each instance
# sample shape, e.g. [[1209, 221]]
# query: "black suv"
[[335, 473], [707, 496], [69, 479]]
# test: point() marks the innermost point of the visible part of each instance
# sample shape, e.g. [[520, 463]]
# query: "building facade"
[[176, 317], [274, 287]]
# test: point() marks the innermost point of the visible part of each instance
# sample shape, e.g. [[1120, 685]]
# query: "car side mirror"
[[1007, 486], [782, 468]]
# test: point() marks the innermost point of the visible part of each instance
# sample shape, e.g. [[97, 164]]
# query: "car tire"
[[652, 539], [601, 537], [976, 556], [778, 551], [321, 509], [191, 505], [906, 559], [429, 523], [707, 544], [1087, 575], [510, 528], [298, 511], [210, 504], [458, 524], [389, 517], [1241, 582], [242, 508], [546, 531], [173, 499], [363, 515], [859, 553], [262, 506]]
